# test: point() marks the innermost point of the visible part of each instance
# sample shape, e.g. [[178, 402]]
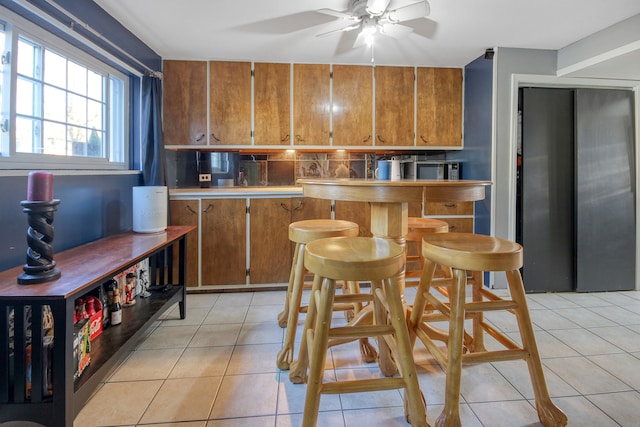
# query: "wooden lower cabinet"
[[224, 241], [271, 251], [459, 215], [459, 225], [358, 212], [186, 212]]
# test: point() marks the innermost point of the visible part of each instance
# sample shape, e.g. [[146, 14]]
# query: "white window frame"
[[15, 27]]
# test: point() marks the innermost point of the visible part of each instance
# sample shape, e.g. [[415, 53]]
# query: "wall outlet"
[[205, 177]]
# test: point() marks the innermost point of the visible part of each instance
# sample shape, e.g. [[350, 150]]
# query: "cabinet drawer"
[[459, 225], [448, 208]]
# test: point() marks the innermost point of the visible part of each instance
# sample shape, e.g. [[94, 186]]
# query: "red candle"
[[40, 186]]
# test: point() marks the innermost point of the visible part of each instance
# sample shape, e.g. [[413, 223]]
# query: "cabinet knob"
[[285, 207], [381, 139], [190, 209], [299, 138], [208, 208], [214, 137], [285, 138]]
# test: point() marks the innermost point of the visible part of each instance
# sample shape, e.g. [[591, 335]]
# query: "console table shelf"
[[84, 269]]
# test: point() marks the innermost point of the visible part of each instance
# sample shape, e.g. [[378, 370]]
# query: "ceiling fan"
[[372, 17]]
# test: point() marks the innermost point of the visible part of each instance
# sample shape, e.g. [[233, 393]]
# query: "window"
[[67, 109]]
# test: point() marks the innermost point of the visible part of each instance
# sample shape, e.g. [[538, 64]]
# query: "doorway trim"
[[538, 80]]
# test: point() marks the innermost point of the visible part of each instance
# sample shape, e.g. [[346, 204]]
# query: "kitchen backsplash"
[[273, 169]]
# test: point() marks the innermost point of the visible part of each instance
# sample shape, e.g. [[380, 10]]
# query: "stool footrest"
[[351, 298], [357, 386], [494, 356], [490, 305], [360, 331]]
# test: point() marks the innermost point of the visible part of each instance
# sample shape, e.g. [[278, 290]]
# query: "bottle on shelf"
[[116, 308]]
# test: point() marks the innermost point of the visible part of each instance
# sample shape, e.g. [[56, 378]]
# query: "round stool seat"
[[474, 252], [314, 229], [354, 258], [428, 225]]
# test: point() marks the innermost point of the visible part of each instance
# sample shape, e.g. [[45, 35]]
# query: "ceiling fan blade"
[[361, 40], [340, 30], [407, 13], [336, 13], [377, 7], [396, 31]]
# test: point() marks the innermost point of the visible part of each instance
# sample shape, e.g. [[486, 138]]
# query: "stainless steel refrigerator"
[[576, 189]]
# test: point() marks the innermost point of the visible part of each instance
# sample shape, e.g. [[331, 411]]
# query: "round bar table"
[[389, 202], [390, 199]]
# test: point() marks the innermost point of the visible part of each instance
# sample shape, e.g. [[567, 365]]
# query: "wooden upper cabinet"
[[184, 102], [439, 107], [272, 104], [352, 109], [311, 104], [230, 103], [394, 106]]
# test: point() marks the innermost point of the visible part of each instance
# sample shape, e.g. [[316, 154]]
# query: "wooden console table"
[[84, 268]]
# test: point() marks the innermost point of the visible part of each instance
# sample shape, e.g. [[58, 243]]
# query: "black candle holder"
[[40, 266]]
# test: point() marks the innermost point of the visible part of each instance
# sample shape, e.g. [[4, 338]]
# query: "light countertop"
[[234, 192]]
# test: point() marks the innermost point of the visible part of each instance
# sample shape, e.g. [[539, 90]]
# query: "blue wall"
[[91, 207], [478, 79]]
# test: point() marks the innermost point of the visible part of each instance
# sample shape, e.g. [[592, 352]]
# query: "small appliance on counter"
[[432, 169]]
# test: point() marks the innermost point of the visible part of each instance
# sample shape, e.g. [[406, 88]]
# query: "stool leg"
[[549, 414], [385, 361], [294, 296], [419, 303], [284, 314], [320, 338], [478, 318], [415, 407], [298, 373], [450, 416]]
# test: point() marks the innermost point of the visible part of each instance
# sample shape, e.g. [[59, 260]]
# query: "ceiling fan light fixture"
[[369, 27], [376, 7]]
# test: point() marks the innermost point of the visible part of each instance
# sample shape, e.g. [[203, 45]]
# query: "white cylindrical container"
[[149, 209], [395, 170]]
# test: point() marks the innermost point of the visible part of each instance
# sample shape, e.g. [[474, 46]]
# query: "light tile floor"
[[216, 368]]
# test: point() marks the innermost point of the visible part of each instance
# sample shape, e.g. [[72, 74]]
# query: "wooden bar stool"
[[473, 252], [418, 228], [357, 259], [303, 232]]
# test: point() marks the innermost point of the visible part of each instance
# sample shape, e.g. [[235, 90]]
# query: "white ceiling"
[[456, 32]]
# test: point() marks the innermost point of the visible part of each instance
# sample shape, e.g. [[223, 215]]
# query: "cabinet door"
[[352, 109], [230, 101], [439, 107], [459, 225], [272, 104], [311, 104], [358, 212], [224, 241], [448, 208], [270, 252], [185, 212], [304, 208], [394, 106], [184, 102]]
